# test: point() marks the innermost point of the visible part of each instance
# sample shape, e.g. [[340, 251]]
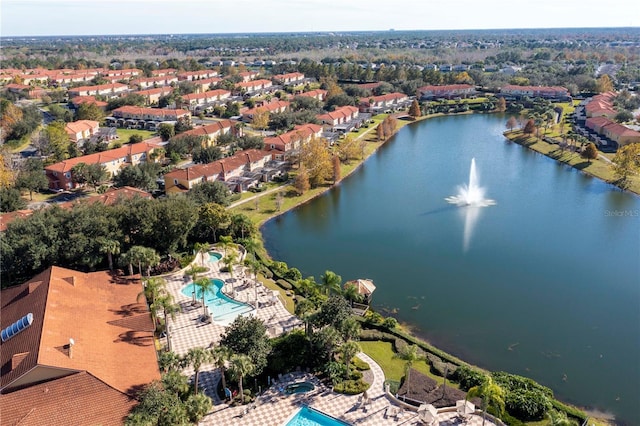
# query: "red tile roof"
[[103, 157], [314, 93], [218, 94], [343, 112], [7, 218], [80, 398], [88, 99], [276, 105], [141, 112], [118, 352], [209, 129]]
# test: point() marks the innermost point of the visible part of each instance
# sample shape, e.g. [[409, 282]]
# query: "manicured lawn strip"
[[271, 285], [598, 168], [382, 353], [125, 134]]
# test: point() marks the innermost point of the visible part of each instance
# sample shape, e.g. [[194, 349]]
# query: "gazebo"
[[365, 288]]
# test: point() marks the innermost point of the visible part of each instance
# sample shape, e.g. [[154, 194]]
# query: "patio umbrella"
[[465, 407], [427, 413]]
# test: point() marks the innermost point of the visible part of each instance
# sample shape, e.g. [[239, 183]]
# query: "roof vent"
[[16, 327]]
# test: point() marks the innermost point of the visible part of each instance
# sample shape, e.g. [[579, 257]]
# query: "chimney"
[[71, 343]]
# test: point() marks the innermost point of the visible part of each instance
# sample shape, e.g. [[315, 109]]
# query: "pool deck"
[[274, 407]]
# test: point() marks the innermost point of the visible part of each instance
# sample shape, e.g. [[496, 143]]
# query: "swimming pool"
[[309, 417], [300, 387], [221, 307], [214, 256]]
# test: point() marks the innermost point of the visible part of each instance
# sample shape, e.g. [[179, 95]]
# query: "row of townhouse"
[[273, 107], [206, 84], [152, 96], [448, 91], [211, 132], [254, 86], [108, 90], [389, 102], [319, 94], [79, 100], [60, 177], [239, 172], [288, 144], [511, 91], [601, 106], [340, 118], [81, 130], [150, 82], [197, 75], [289, 78], [248, 75], [129, 112], [613, 131], [196, 101], [31, 92]]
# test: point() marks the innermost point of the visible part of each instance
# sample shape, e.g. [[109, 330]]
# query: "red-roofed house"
[[59, 370], [197, 75], [254, 86], [30, 92], [339, 117], [318, 94], [249, 75], [206, 84], [79, 100], [150, 114], [82, 129], [152, 96], [151, 82], [163, 72], [272, 107], [601, 106], [616, 132], [390, 101], [124, 73], [287, 144], [110, 90], [447, 91], [289, 78], [239, 172], [195, 101], [59, 174], [212, 131]]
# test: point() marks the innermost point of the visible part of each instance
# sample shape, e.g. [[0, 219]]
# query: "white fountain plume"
[[472, 197], [472, 194]]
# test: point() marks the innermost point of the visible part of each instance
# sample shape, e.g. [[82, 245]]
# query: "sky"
[[106, 17]]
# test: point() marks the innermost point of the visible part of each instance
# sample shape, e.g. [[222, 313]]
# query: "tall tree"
[[301, 181], [31, 177], [512, 123], [408, 353], [590, 152], [220, 356], [89, 111], [492, 396], [204, 285], [260, 119], [335, 160], [248, 336], [349, 350], [330, 282], [626, 163], [414, 109], [195, 357], [58, 140], [317, 160], [241, 366]]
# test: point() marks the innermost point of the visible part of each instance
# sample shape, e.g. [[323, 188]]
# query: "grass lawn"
[[125, 134], [271, 285], [382, 353]]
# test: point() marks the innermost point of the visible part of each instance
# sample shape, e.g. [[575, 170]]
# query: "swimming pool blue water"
[[214, 256], [221, 306], [310, 417]]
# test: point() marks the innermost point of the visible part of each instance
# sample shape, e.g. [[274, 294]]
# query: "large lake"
[[546, 285]]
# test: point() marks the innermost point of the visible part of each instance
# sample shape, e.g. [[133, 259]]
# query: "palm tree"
[[198, 405], [305, 310], [220, 356], [350, 329], [350, 292], [150, 258], [409, 354], [169, 308], [201, 249], [169, 361], [241, 366], [254, 268], [229, 261], [110, 247], [330, 282], [349, 350], [492, 396], [196, 357], [226, 242], [204, 284], [251, 246], [153, 289]]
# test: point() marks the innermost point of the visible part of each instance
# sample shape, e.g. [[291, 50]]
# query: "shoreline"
[[539, 146]]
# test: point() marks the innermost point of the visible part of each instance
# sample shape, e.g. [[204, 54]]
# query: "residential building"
[[254, 86], [58, 369], [289, 78], [152, 96], [340, 116], [615, 132], [163, 72], [151, 82], [249, 75], [289, 143], [272, 107], [206, 84], [81, 130], [511, 91], [109, 90], [390, 101], [448, 91], [240, 172], [318, 94], [59, 174], [79, 100], [124, 73], [31, 92], [196, 101], [213, 131], [129, 112], [601, 106], [197, 75]]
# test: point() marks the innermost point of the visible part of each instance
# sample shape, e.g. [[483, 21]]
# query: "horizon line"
[[391, 30]]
